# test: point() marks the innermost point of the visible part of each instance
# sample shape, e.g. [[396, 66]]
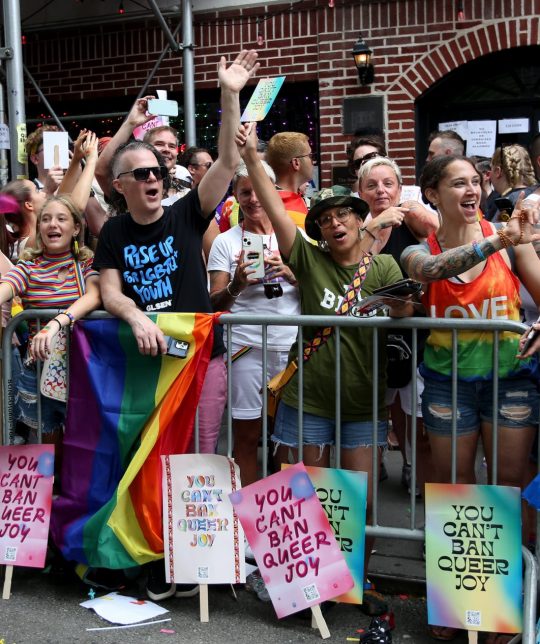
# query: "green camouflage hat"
[[328, 198]]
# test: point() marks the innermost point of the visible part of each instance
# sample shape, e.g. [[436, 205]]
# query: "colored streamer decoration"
[[473, 557], [298, 556], [26, 480], [204, 541], [125, 411]]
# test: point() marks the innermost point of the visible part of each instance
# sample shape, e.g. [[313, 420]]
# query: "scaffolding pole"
[[4, 165], [12, 54], [188, 74]]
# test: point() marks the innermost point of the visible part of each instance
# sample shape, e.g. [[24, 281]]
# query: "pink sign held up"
[[26, 480], [296, 551]]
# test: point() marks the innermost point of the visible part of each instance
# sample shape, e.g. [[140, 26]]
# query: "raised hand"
[[138, 113], [78, 153], [234, 77]]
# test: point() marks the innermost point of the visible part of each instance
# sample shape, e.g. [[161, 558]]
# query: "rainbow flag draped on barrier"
[[124, 411]]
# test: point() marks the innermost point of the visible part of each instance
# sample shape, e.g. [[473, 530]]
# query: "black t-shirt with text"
[[161, 263]]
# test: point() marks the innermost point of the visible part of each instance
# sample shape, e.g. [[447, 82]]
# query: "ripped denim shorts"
[[53, 412], [318, 430], [517, 404]]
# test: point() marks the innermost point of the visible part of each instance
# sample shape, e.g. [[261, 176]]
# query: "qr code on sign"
[[202, 572], [11, 553], [310, 592], [473, 618]]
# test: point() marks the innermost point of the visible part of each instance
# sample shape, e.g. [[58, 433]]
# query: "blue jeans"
[[517, 404]]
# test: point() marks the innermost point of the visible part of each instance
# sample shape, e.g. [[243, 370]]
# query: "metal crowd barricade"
[[377, 324], [380, 324]]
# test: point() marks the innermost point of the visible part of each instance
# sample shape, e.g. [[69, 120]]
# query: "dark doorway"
[[505, 84]]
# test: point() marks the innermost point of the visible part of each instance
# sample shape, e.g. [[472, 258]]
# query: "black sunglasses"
[[272, 290], [142, 174], [358, 163]]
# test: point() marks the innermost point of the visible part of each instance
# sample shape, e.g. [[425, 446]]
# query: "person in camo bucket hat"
[[328, 198]]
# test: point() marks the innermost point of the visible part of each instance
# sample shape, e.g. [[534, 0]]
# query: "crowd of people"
[[468, 239]]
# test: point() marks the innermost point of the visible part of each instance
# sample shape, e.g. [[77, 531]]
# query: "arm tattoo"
[[420, 265]]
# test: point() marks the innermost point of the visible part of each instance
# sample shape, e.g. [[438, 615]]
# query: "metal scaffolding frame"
[[11, 56]]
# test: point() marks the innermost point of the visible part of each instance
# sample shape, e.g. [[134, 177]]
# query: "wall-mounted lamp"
[[362, 59]]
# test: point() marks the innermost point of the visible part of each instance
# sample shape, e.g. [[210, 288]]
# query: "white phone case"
[[252, 246]]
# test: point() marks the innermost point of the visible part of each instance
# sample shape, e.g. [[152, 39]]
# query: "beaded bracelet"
[[505, 240], [228, 289], [69, 316]]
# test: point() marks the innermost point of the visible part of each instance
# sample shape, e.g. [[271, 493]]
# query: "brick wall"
[[415, 43]]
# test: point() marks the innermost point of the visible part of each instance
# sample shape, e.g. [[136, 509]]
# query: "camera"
[[176, 348]]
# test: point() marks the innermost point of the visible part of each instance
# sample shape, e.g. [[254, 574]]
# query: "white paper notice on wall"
[[460, 127], [481, 139], [510, 126], [4, 137]]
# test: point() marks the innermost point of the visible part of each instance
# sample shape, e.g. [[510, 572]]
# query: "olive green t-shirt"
[[322, 284]]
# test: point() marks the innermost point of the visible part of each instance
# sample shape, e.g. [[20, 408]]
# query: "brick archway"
[[472, 43]]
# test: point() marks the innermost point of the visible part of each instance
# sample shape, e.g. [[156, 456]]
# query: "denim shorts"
[[517, 404], [322, 431], [53, 412]]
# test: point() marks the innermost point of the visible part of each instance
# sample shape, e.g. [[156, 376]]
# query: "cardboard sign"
[[343, 496], [298, 556], [262, 99], [203, 539], [26, 479], [140, 131], [473, 557], [55, 149]]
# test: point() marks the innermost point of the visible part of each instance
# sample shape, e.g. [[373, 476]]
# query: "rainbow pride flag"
[[125, 410]]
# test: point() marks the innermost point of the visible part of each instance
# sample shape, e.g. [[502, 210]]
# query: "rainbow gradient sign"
[[473, 557]]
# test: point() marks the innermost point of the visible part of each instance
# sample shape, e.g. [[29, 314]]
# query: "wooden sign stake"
[[203, 594], [6, 593], [317, 621]]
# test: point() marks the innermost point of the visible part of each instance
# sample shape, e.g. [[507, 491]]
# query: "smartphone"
[[403, 288], [176, 348], [161, 107], [252, 245], [531, 337]]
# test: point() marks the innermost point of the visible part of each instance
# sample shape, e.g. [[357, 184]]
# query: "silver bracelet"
[[228, 289]]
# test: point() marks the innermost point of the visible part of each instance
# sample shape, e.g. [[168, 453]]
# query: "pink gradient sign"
[[296, 551], [26, 479]]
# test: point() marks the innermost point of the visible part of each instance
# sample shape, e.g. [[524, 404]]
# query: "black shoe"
[[157, 588], [186, 590]]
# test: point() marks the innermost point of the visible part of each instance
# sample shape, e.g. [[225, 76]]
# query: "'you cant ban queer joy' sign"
[[26, 479], [296, 551], [473, 557]]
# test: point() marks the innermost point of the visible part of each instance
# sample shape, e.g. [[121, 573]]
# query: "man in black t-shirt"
[[150, 258]]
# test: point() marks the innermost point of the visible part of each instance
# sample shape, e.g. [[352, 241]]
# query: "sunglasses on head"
[[142, 174], [358, 163]]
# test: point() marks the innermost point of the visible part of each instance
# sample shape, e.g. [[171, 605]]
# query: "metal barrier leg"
[[530, 590]]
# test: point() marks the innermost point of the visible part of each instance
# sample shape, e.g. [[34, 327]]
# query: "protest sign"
[[298, 556], [473, 557], [262, 99], [203, 539], [343, 496], [55, 149], [140, 131], [26, 479]]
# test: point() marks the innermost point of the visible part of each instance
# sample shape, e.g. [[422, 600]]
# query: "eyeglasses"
[[142, 174], [358, 163], [311, 156], [272, 290], [340, 216], [206, 165]]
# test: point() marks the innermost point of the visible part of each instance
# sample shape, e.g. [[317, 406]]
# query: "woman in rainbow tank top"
[[467, 274]]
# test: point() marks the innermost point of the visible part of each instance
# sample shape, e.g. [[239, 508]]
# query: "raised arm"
[[79, 188], [420, 265], [283, 225], [74, 169], [136, 116], [232, 79]]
